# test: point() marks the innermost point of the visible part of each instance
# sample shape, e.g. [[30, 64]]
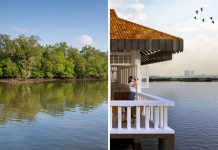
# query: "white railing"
[[151, 115]]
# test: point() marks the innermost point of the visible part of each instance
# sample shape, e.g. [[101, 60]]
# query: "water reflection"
[[24, 102]]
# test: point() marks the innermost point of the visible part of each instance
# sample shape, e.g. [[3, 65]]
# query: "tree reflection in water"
[[24, 102]]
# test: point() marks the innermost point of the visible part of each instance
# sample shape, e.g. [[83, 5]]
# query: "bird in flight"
[[196, 11], [211, 18], [195, 17], [201, 9], [213, 22]]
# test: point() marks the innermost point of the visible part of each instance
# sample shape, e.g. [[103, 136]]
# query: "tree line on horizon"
[[24, 57]]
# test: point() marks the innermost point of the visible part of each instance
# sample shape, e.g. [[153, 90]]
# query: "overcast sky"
[[176, 17], [77, 22]]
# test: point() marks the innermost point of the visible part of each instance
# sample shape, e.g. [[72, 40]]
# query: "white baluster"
[[161, 117], [119, 118], [156, 117], [137, 117], [152, 113], [128, 117], [165, 117], [147, 117]]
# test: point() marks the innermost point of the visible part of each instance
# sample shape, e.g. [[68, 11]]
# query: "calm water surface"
[[195, 116], [54, 116]]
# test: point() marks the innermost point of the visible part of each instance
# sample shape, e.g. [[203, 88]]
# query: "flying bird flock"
[[201, 11]]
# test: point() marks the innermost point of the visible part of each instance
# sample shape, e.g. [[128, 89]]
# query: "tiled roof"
[[154, 46], [123, 29]]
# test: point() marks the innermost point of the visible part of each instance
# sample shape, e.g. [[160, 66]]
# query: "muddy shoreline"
[[19, 81]]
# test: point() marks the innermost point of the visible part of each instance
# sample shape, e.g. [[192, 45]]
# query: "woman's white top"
[[132, 87]]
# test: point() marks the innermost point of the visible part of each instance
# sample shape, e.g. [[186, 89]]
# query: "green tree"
[[79, 61], [28, 55], [96, 62], [9, 68]]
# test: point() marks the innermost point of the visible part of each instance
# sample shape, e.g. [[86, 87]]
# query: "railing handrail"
[[150, 100], [158, 98], [126, 103]]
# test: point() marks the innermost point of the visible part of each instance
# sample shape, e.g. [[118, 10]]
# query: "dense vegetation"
[[24, 57]]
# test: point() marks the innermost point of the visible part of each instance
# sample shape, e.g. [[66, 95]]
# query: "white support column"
[[156, 117], [147, 76], [130, 71], [133, 71], [119, 118], [165, 117], [138, 117], [128, 117], [137, 57], [147, 117], [139, 78]]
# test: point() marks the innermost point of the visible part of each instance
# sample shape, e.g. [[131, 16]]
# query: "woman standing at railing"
[[132, 87]]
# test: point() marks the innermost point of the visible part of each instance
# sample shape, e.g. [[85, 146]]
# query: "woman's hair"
[[130, 79]]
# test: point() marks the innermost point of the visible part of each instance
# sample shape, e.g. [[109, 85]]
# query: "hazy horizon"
[[176, 17]]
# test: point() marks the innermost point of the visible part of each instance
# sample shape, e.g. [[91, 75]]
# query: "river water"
[[54, 116], [195, 116]]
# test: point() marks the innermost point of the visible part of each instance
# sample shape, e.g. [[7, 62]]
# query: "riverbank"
[[19, 81]]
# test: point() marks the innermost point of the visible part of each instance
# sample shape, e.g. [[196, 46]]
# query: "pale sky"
[[176, 17]]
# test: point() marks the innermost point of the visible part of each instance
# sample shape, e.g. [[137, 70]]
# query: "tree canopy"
[[24, 57]]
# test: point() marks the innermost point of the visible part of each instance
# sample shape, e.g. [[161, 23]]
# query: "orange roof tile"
[[123, 29]]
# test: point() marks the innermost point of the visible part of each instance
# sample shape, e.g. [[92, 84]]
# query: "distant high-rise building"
[[188, 73], [192, 73]]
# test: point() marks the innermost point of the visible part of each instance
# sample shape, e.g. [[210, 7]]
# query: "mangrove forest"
[[24, 57]]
